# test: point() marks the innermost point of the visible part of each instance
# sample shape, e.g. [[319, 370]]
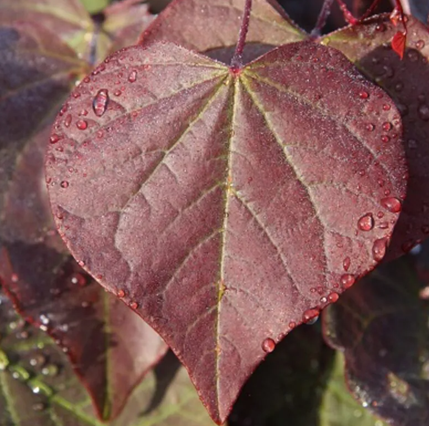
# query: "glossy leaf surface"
[[39, 388], [381, 325], [269, 27], [217, 239], [368, 46]]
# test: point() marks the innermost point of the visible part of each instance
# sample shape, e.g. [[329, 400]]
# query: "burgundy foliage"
[[223, 204], [138, 206], [367, 45], [381, 326], [93, 328]]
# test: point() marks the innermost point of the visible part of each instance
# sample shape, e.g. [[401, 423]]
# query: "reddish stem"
[[323, 16], [237, 59], [348, 16]]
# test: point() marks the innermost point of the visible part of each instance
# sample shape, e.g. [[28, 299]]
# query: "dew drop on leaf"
[[54, 138], [68, 121], [50, 370], [386, 107], [333, 297], [420, 44], [423, 112], [364, 95], [370, 127], [78, 279], [310, 316], [268, 345], [100, 102], [346, 263], [379, 249], [64, 184], [366, 223], [385, 139], [132, 77], [134, 305], [82, 124], [387, 126], [392, 204], [347, 280], [121, 294]]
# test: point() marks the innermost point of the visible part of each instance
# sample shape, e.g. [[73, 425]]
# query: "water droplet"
[[44, 319], [379, 249], [68, 121], [100, 102], [363, 95], [346, 263], [386, 107], [370, 127], [54, 138], [333, 297], [292, 324], [387, 126], [121, 294], [86, 80], [117, 93], [424, 112], [132, 77], [50, 370], [420, 44], [347, 280], [78, 279], [392, 204], [309, 315], [81, 124], [366, 222], [385, 139], [38, 360], [134, 305], [64, 184], [268, 345]]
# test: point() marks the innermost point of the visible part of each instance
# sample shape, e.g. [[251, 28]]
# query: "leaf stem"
[[323, 16], [237, 59]]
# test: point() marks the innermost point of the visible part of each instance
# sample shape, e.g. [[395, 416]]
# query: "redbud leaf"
[[195, 24], [381, 326], [368, 46], [225, 206]]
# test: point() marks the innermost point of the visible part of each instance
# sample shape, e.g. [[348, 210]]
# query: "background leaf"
[[67, 19], [215, 226], [368, 46], [110, 347], [381, 325], [38, 386], [269, 27]]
